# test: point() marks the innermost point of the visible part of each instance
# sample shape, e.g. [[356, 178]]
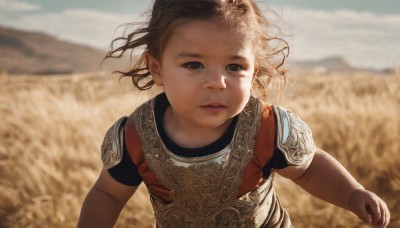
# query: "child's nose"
[[215, 80]]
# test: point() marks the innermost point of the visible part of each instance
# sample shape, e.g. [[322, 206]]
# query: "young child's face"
[[206, 70]]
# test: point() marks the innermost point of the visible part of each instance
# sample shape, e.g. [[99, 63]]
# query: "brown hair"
[[166, 15]]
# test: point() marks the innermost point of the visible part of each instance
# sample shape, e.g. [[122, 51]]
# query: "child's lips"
[[213, 106]]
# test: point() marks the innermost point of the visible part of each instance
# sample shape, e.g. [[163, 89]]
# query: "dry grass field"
[[51, 130]]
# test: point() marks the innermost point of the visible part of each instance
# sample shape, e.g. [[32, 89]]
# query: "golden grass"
[[51, 130]]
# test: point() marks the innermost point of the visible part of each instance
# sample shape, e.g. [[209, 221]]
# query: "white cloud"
[[17, 6], [90, 27], [363, 38]]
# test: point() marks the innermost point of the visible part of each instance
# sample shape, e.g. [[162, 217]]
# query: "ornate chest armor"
[[204, 190]]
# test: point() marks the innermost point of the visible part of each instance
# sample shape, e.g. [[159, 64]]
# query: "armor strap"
[[112, 146], [294, 137]]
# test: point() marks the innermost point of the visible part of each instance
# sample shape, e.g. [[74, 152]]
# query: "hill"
[[25, 52], [328, 64], [337, 64]]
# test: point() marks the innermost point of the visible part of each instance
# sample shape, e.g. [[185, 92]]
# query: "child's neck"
[[189, 136]]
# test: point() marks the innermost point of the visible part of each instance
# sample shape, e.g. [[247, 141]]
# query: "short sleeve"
[[126, 172]]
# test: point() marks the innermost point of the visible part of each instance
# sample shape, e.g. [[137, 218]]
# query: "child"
[[206, 149]]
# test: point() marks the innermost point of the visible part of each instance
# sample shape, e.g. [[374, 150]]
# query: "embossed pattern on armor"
[[294, 137], [204, 190], [111, 148]]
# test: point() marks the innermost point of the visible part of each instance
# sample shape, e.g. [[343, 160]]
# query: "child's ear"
[[153, 65]]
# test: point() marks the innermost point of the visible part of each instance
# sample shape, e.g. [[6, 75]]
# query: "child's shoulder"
[[293, 136], [112, 146]]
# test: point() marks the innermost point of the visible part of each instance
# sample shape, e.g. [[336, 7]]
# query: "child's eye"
[[194, 65], [234, 67]]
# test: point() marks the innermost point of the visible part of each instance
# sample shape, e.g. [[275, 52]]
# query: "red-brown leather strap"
[[134, 146], [263, 151]]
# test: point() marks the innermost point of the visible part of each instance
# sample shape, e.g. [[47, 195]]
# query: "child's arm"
[[324, 177], [104, 202]]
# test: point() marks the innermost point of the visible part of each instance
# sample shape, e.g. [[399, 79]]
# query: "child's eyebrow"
[[195, 55], [238, 57], [188, 55]]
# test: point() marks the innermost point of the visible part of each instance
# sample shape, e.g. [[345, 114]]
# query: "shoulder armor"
[[294, 137], [112, 146]]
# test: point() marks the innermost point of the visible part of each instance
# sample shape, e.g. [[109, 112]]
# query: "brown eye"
[[234, 67], [194, 65]]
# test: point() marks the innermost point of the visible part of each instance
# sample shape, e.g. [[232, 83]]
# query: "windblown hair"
[[241, 15]]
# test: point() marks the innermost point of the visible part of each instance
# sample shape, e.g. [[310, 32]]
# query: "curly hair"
[[241, 15]]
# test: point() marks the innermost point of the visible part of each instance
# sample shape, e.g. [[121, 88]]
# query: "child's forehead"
[[208, 28], [208, 38]]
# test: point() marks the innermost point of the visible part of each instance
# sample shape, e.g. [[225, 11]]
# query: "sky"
[[365, 32]]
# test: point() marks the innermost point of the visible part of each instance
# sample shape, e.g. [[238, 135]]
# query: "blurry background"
[[364, 33], [56, 103]]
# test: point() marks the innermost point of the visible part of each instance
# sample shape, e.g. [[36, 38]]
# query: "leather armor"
[[204, 190]]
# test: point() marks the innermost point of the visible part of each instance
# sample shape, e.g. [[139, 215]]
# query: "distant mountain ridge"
[[336, 64], [25, 52], [327, 64]]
